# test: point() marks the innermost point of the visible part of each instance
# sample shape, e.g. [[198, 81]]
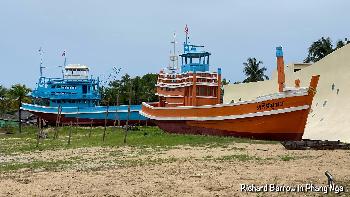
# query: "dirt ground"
[[179, 171]]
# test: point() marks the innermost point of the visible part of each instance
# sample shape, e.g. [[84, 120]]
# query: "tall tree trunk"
[[19, 115], [106, 117], [127, 120]]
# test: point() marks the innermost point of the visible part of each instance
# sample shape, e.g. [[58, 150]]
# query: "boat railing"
[[288, 91], [65, 95], [43, 81]]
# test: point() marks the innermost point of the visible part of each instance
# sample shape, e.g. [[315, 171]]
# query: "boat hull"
[[51, 120], [281, 116], [89, 115], [285, 126]]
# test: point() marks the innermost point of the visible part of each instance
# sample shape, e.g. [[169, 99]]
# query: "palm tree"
[[253, 71], [19, 92]]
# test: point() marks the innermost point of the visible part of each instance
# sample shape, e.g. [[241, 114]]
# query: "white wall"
[[326, 122], [249, 91]]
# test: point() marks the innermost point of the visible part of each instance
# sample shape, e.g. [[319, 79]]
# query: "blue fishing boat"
[[75, 98]]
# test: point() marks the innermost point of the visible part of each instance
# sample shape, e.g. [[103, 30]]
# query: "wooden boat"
[[183, 108], [75, 98]]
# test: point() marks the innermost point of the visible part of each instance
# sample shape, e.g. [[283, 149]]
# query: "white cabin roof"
[[76, 67]]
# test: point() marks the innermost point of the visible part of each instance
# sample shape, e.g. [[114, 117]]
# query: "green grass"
[[239, 157], [144, 137], [294, 157], [287, 158], [45, 165], [69, 163]]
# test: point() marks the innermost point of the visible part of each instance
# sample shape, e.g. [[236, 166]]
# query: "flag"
[[186, 29], [64, 53]]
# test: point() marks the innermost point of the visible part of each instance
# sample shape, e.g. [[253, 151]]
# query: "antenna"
[[173, 66], [186, 44], [186, 31], [64, 63], [174, 43], [41, 53]]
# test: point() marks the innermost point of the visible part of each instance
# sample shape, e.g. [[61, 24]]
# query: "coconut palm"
[[19, 92], [253, 71]]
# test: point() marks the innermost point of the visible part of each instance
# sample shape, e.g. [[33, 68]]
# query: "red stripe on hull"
[[284, 126], [51, 120]]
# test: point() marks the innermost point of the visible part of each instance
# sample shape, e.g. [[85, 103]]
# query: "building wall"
[[329, 118], [249, 91]]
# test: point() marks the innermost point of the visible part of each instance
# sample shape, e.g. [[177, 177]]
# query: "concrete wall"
[[329, 118], [249, 91]]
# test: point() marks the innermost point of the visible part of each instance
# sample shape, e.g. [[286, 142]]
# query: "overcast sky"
[[136, 35]]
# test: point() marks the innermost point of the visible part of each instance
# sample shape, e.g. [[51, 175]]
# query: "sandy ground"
[[179, 171]]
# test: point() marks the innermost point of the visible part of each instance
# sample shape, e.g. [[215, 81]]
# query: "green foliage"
[[7, 127], [142, 90], [3, 99], [321, 48], [253, 72], [10, 98], [3, 92], [19, 91], [225, 82]]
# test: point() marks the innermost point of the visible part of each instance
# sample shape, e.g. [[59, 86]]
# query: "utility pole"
[[128, 118]]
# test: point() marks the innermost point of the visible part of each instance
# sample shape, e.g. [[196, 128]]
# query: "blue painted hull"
[[88, 115]]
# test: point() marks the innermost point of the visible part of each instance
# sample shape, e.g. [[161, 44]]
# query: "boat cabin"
[[75, 89], [194, 85], [76, 71]]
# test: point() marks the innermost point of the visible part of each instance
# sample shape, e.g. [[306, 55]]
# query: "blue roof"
[[194, 60]]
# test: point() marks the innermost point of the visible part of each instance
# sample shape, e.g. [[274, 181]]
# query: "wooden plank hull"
[[284, 126], [88, 115], [51, 120]]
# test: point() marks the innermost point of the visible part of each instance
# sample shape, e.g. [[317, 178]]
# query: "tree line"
[[139, 89], [11, 98]]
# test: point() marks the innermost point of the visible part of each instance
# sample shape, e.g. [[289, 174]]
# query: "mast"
[[186, 31], [173, 66], [64, 63], [41, 52], [280, 68], [186, 47]]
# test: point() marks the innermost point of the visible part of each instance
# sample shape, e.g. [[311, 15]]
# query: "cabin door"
[[84, 89]]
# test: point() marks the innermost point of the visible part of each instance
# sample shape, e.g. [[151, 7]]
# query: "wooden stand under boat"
[[280, 116]]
